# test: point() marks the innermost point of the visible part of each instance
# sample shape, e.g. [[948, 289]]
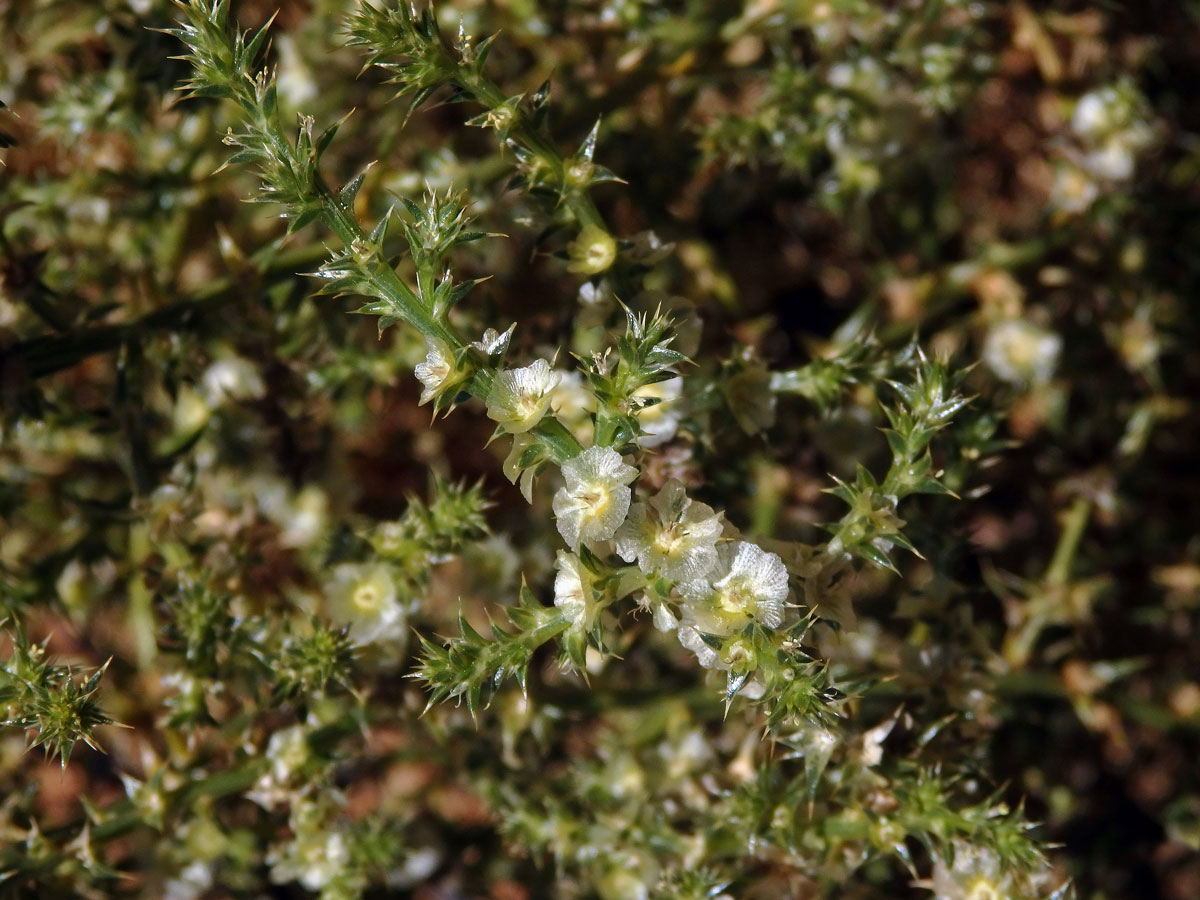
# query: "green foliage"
[[49, 700], [470, 665], [681, 657]]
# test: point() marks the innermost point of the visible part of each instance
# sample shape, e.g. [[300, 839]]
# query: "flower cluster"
[[313, 597], [718, 588], [1109, 131], [749, 587]]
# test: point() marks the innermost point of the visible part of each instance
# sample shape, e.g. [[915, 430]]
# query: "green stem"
[[579, 201], [1059, 570], [408, 306]]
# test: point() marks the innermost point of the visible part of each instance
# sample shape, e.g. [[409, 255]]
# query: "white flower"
[[660, 613], [437, 374], [590, 294], [306, 520], [1096, 112], [592, 252], [689, 636], [573, 590], [593, 503], [365, 599], [1073, 189], [317, 854], [493, 342], [1021, 352], [193, 880], [294, 78], [672, 534], [660, 421], [1114, 160], [417, 867], [573, 403], [572, 399], [1109, 122], [288, 753], [232, 378], [520, 397], [313, 858], [975, 875], [753, 587]]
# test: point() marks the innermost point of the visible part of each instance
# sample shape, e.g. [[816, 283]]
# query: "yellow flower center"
[[596, 502], [367, 598], [983, 889], [734, 598], [668, 539], [527, 403]]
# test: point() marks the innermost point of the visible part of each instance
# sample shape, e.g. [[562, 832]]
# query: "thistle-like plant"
[[49, 700], [754, 633], [734, 614], [740, 608]]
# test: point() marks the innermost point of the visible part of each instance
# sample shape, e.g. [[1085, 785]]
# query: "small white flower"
[[365, 599], [326, 864], [1073, 189], [1021, 352], [314, 859], [308, 513], [520, 397], [975, 875], [592, 252], [1113, 160], [192, 881], [437, 374], [572, 400], [493, 342], [232, 378], [590, 294], [592, 504], [573, 590], [288, 753], [317, 854], [573, 403], [671, 534], [753, 587], [1095, 112], [417, 867], [660, 421], [294, 78]]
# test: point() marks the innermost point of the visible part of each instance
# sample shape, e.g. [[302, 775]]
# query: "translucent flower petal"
[[520, 397], [435, 372], [595, 499], [672, 534]]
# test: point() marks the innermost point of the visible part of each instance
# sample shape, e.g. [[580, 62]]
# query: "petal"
[[631, 537]]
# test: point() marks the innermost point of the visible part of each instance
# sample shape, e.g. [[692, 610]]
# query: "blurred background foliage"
[[222, 487]]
